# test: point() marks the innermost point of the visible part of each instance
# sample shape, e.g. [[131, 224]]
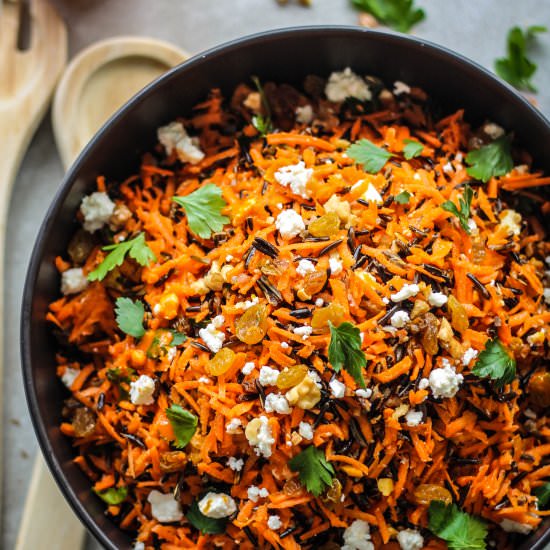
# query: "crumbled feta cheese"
[[259, 435], [253, 101], [511, 526], [248, 368], [401, 88], [410, 539], [494, 131], [73, 281], [141, 390], [472, 226], [305, 430], [171, 355], [511, 220], [255, 493], [305, 267], [289, 224], [305, 331], [69, 376], [229, 258], [274, 522], [175, 137], [247, 304], [344, 84], [357, 536], [319, 302], [335, 264], [211, 336], [399, 319], [448, 168], [469, 354], [96, 208], [313, 374], [546, 294], [296, 177], [236, 464], [445, 382], [406, 292], [204, 380], [268, 376], [233, 426], [437, 299], [337, 389], [285, 345], [413, 418], [217, 505], [304, 114], [423, 384], [275, 402], [164, 508], [138, 545], [363, 393], [372, 195]]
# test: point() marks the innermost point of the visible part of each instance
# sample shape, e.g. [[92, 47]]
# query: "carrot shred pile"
[[488, 449]]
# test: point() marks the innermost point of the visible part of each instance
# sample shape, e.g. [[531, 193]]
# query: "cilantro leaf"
[[136, 248], [115, 376], [314, 471], [495, 363], [403, 198], [129, 317], [490, 160], [465, 202], [113, 496], [543, 496], [178, 338], [517, 68], [203, 209], [183, 423], [458, 529], [412, 149], [399, 14], [372, 157], [262, 124], [345, 351], [208, 526]]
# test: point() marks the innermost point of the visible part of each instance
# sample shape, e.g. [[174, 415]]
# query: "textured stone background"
[[476, 29]]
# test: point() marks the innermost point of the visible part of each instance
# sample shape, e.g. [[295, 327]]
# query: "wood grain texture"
[[27, 81]]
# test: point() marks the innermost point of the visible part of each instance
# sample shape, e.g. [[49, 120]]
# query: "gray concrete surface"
[[476, 29]]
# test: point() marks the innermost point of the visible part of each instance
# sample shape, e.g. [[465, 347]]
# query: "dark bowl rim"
[[40, 429]]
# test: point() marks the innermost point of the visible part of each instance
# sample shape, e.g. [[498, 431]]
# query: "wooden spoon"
[[96, 83], [27, 81], [99, 81]]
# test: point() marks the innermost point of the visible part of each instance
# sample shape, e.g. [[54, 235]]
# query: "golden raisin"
[[539, 388], [459, 317], [334, 493], [84, 422], [427, 492], [291, 376], [251, 327], [429, 335], [333, 313], [325, 226], [221, 362], [314, 282], [172, 461]]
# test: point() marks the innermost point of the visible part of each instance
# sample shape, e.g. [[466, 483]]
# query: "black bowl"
[[282, 55]]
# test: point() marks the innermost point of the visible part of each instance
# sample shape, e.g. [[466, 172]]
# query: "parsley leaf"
[[345, 351], [465, 202], [129, 317], [136, 248], [262, 124], [183, 423], [458, 529], [208, 526], [543, 496], [178, 338], [412, 149], [490, 160], [399, 14], [517, 68], [113, 496], [314, 471], [495, 363], [369, 155], [403, 198], [203, 209]]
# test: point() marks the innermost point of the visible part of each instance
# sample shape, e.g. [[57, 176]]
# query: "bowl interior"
[[284, 56]]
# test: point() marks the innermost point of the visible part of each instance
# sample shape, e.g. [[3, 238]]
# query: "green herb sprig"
[[462, 213], [495, 363], [345, 351], [401, 15], [314, 471], [372, 157]]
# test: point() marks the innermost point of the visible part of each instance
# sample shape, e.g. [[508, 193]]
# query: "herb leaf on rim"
[[398, 14]]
